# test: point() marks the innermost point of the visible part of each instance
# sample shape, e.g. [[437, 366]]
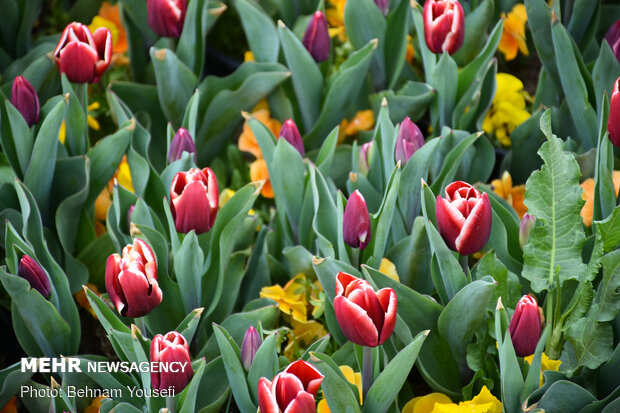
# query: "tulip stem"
[[367, 373], [355, 257], [170, 404]]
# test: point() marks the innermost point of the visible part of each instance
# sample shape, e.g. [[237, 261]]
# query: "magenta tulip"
[[31, 271], [83, 57], [525, 326], [613, 124], [409, 140], [613, 38], [363, 161], [356, 222], [249, 347], [166, 17], [194, 198], [366, 317], [131, 280], [291, 391], [171, 348], [25, 99], [444, 25], [182, 142], [316, 37], [290, 132], [525, 228], [383, 5], [464, 218]]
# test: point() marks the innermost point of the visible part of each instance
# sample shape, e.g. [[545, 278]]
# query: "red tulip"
[[83, 56], [131, 281], [290, 132], [613, 124], [409, 140], [182, 142], [356, 222], [613, 38], [291, 391], [194, 198], [25, 99], [316, 37], [464, 218], [366, 317], [31, 271], [525, 326], [444, 25], [171, 348], [166, 17]]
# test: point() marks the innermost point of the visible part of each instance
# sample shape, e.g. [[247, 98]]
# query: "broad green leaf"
[[605, 72], [608, 303], [451, 163], [604, 200], [565, 396], [539, 16], [188, 269], [338, 393], [287, 173], [395, 50], [445, 80], [188, 326], [190, 393], [411, 100], [592, 341], [260, 31], [508, 285]]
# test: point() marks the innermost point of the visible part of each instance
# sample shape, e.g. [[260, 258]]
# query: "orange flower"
[[108, 17], [94, 405], [247, 140], [80, 298], [513, 36], [513, 194], [587, 210], [363, 120], [11, 406], [259, 172]]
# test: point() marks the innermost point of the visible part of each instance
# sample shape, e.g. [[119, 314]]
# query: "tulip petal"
[[141, 297], [310, 377], [355, 322], [476, 229], [342, 281], [449, 220], [303, 403], [192, 209], [389, 303], [286, 386], [112, 269], [77, 61], [178, 380], [266, 399]]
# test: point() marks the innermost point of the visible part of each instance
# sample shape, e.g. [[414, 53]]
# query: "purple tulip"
[[409, 140], [613, 124], [182, 142], [356, 222], [249, 347], [527, 223], [290, 132], [25, 99], [383, 5], [316, 37], [613, 38], [363, 161], [31, 271]]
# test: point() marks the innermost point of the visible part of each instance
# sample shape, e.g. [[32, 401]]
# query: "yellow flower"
[[545, 364], [410, 54], [291, 299], [62, 134], [352, 377], [123, 175], [425, 404], [259, 172], [507, 109], [109, 17], [588, 195], [225, 196], [302, 335], [247, 140], [335, 19], [94, 405], [513, 194], [388, 268], [248, 56], [484, 402], [92, 123], [80, 298], [363, 120], [513, 36]]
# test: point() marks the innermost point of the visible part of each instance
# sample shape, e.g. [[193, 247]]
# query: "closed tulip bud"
[[527, 223], [194, 197], [291, 391], [171, 348], [129, 215], [182, 142], [409, 140], [383, 5], [249, 347], [166, 17], [366, 317], [25, 99], [464, 218], [316, 37], [525, 326], [613, 38], [290, 132], [613, 124], [364, 158], [83, 57], [356, 222], [444, 25], [31, 271], [131, 280]]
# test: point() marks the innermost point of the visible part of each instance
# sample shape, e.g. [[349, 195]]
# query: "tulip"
[[525, 326], [25, 99], [291, 391], [409, 140], [131, 281], [166, 17], [290, 132], [193, 200], [356, 222], [613, 38], [249, 347], [167, 349], [613, 124], [383, 5], [525, 227], [31, 271], [444, 25], [363, 161], [366, 317], [464, 218], [182, 142], [129, 215], [316, 38], [83, 56]]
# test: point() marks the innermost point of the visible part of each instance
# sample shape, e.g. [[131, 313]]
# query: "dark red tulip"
[[31, 271], [316, 37], [613, 124], [464, 218], [356, 222], [383, 5], [166, 17], [182, 142], [613, 38], [525, 326], [131, 281], [249, 347], [444, 25], [291, 391], [171, 348], [194, 198], [409, 140], [25, 99], [290, 132], [366, 317], [81, 55]]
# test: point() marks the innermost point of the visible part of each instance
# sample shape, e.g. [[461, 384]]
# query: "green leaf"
[[476, 24], [604, 191], [532, 381], [201, 15], [190, 393], [260, 31], [265, 363], [539, 16], [429, 58], [510, 375], [608, 303], [338, 393], [451, 163], [398, 25], [189, 269], [565, 396], [16, 135], [108, 319], [411, 100], [325, 223], [592, 341], [383, 218], [508, 285], [188, 326], [605, 72], [445, 80]]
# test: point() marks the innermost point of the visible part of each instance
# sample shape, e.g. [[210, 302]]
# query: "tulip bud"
[[166, 17], [363, 162], [613, 38], [366, 317], [168, 349], [613, 124], [291, 391], [83, 57], [31, 271], [193, 200], [182, 142], [464, 218], [25, 99], [409, 140], [444, 25], [249, 347], [383, 5], [129, 215], [316, 38], [356, 222], [525, 326], [131, 281], [527, 223], [290, 132]]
